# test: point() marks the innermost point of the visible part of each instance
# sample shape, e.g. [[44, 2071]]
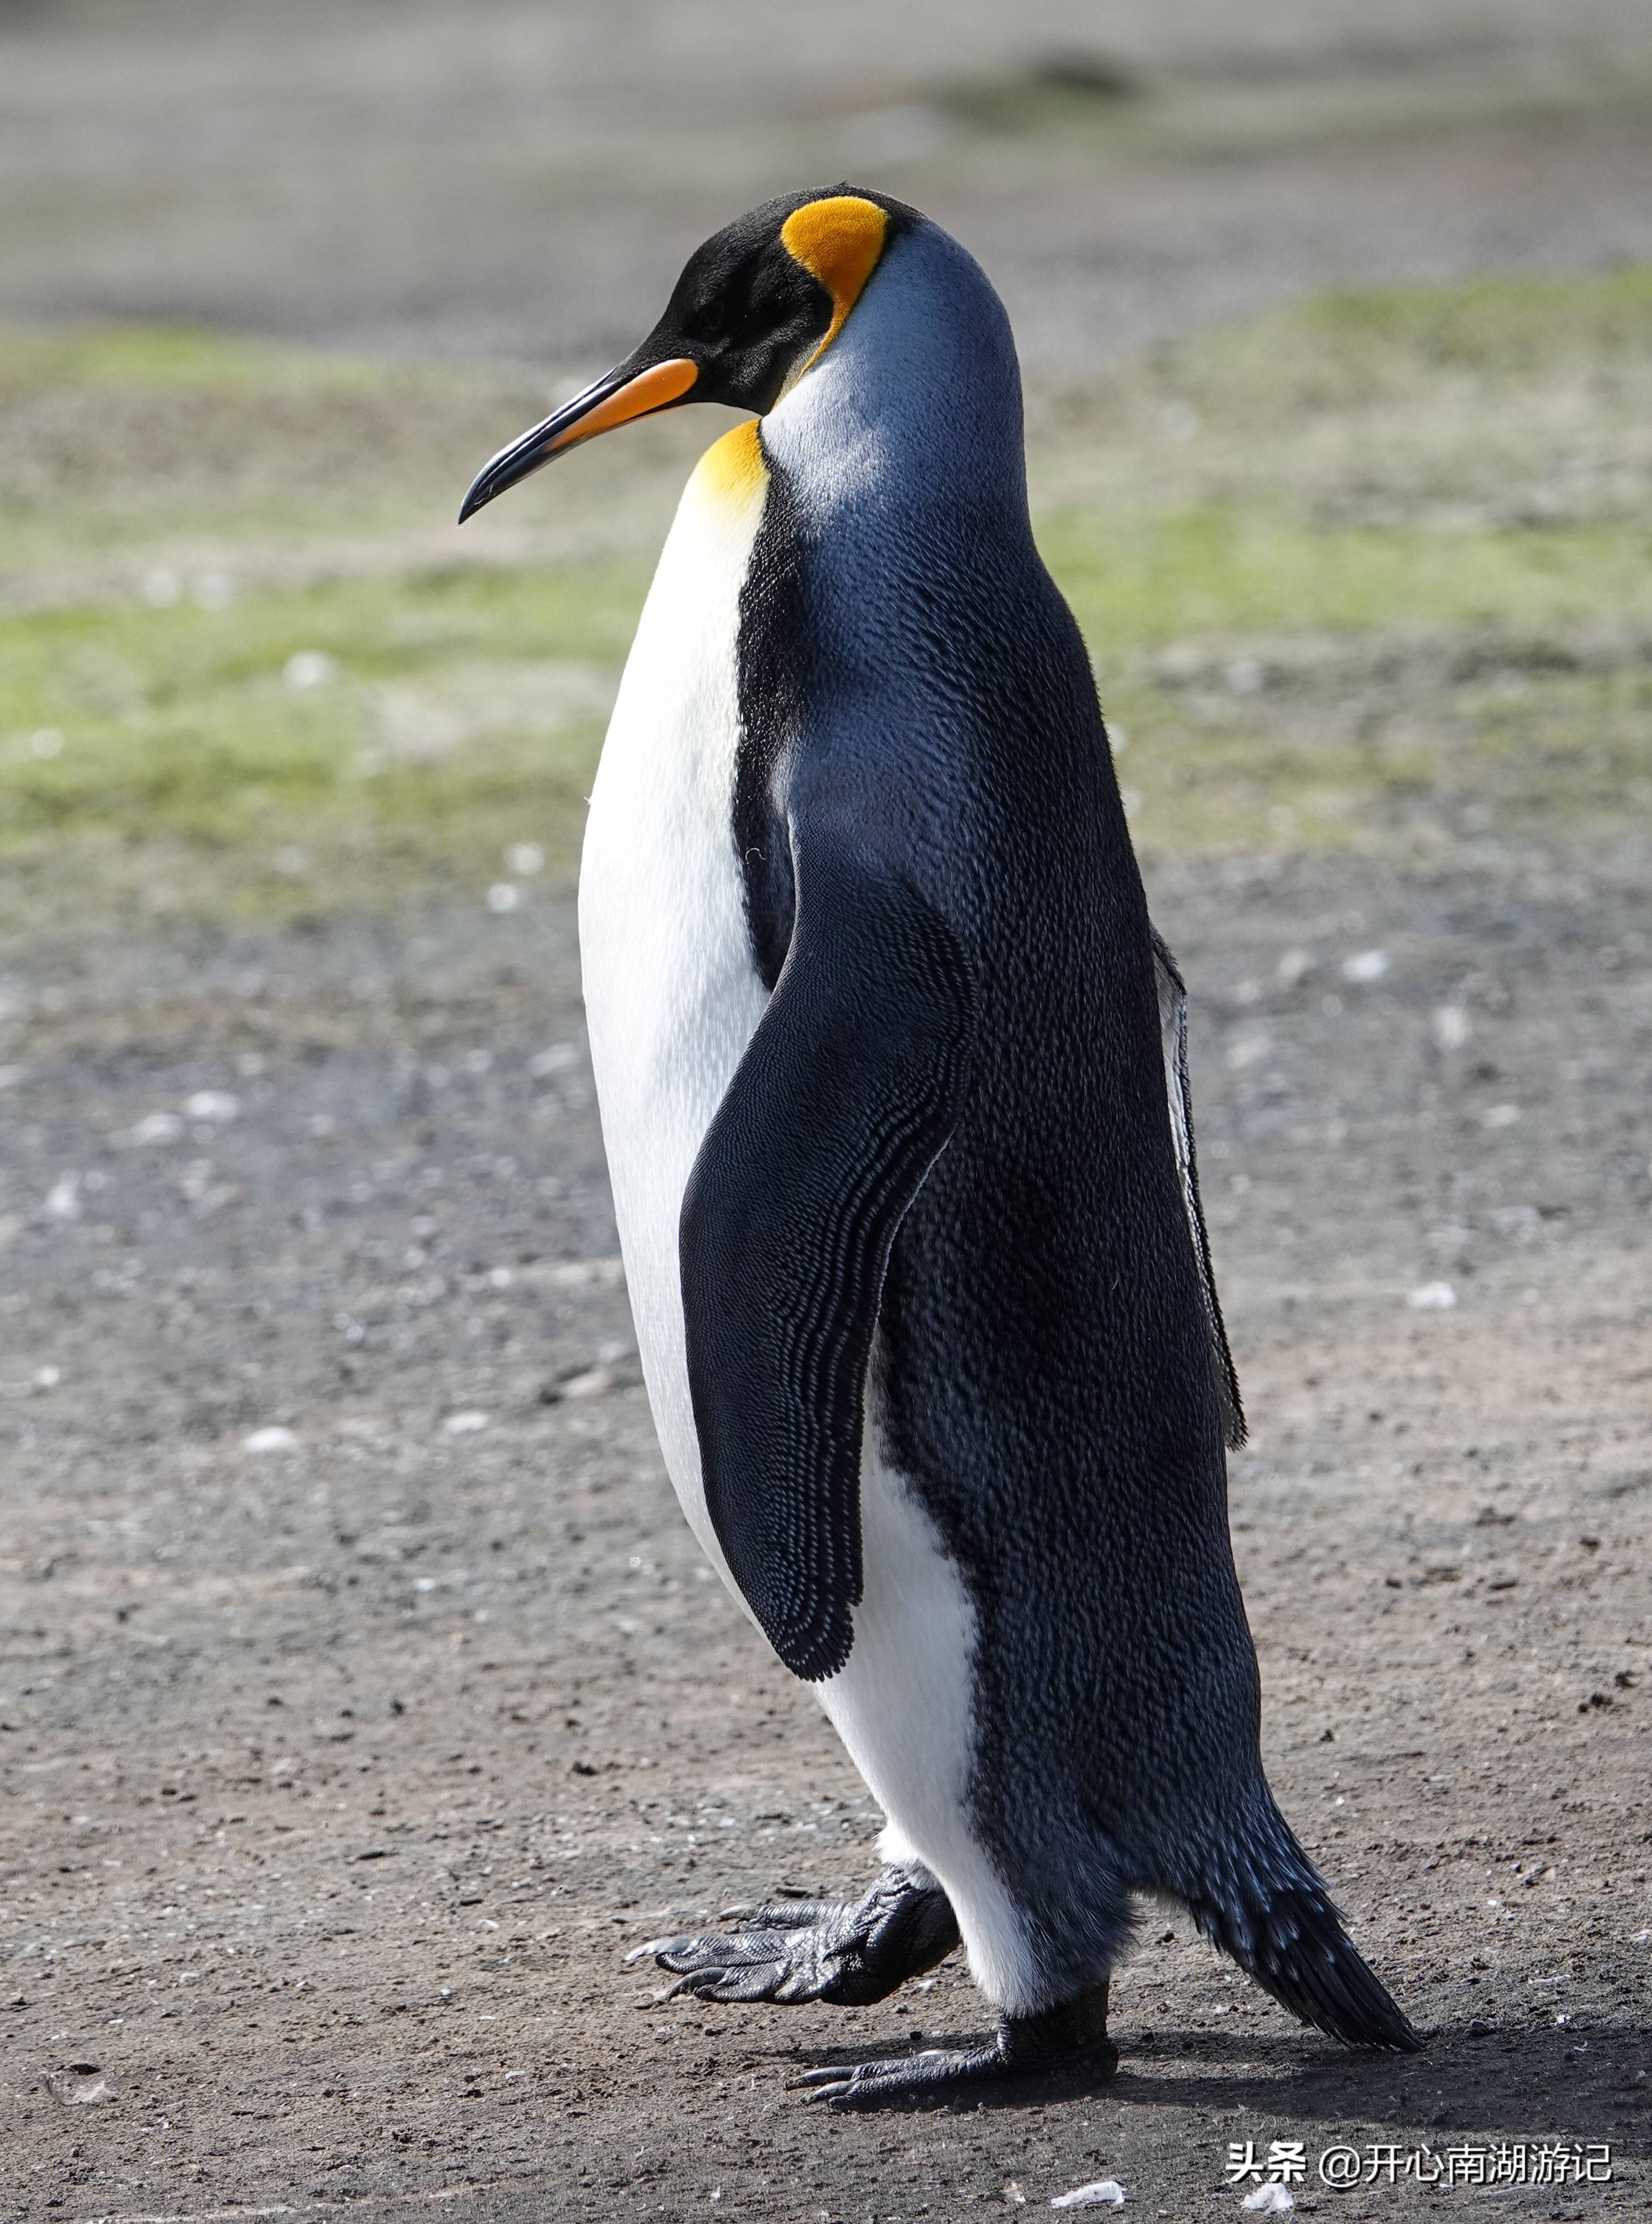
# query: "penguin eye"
[[710, 321], [744, 308]]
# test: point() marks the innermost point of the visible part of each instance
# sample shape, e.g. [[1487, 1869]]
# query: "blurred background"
[[275, 281], [332, 1527]]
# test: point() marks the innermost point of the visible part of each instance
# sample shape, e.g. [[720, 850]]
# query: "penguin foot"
[[850, 1952], [1073, 2036]]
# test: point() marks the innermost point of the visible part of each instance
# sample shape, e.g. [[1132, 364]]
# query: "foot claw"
[[935, 2072], [816, 1949], [656, 1947], [1072, 2037]]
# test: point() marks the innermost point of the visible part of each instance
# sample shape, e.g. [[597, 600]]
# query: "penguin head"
[[756, 307]]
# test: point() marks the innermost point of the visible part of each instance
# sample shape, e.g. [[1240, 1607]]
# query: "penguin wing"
[[849, 1092], [1173, 1032]]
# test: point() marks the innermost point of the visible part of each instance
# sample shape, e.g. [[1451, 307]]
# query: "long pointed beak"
[[615, 399]]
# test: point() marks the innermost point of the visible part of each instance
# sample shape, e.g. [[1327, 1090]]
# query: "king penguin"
[[892, 1075]]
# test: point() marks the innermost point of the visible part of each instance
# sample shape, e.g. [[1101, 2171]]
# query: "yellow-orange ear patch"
[[838, 241]]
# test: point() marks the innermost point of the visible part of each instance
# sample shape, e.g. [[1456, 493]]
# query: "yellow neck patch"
[[732, 469], [837, 241]]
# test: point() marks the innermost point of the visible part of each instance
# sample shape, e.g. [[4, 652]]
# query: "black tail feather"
[[1281, 1928]]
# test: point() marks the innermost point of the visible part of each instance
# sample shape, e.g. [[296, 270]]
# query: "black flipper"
[[1173, 1029], [849, 1953], [846, 1094]]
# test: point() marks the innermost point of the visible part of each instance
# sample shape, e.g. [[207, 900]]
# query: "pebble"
[[157, 1127], [63, 1198], [1433, 1297], [1365, 966], [273, 1439], [212, 1104], [1101, 2193], [308, 667], [466, 1424]]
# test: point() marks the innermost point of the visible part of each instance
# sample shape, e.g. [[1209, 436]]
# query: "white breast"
[[671, 995], [672, 999]]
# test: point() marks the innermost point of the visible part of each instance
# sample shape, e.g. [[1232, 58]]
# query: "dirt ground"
[[337, 1565], [341, 1767]]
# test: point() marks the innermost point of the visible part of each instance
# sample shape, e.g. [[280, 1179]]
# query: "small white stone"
[[272, 1439], [1452, 1026], [63, 1198], [466, 1424], [1365, 966], [46, 742], [503, 896], [1101, 2193], [161, 589], [157, 1127], [1270, 2200], [1433, 1297], [591, 1382], [524, 859], [308, 667], [212, 1104], [1500, 1116], [1246, 1049], [1294, 965], [48, 1378]]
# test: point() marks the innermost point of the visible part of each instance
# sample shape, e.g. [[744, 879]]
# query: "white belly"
[[672, 1000], [671, 995]]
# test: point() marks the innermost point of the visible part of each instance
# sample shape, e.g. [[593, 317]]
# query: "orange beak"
[[615, 399]]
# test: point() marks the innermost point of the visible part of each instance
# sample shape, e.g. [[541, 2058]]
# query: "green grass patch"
[[1141, 580], [1409, 469], [407, 725]]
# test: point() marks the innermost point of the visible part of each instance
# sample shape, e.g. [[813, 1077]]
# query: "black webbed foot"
[[1073, 2036], [849, 1953]]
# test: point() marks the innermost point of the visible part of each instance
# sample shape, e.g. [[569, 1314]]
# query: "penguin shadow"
[[1505, 2084]]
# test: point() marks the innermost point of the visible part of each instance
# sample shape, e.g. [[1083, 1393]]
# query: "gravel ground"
[[363, 1698], [360, 1697]]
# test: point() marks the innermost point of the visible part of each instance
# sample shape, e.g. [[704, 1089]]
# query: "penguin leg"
[[849, 1952], [1071, 2037]]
